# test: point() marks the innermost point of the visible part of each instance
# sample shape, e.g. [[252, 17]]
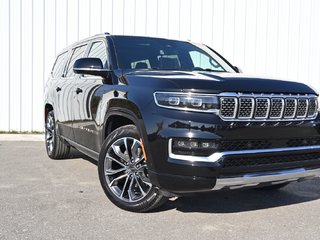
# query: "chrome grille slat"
[[246, 108], [228, 107], [272, 107], [262, 108], [313, 105], [302, 108], [290, 108], [277, 108]]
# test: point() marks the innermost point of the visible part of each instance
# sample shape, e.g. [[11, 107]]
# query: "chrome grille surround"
[[267, 107]]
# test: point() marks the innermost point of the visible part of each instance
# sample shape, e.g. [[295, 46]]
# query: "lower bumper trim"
[[273, 177]]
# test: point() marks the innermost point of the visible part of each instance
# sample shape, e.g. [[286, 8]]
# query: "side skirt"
[[84, 150]]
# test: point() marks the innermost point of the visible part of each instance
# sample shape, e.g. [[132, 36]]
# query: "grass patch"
[[20, 132]]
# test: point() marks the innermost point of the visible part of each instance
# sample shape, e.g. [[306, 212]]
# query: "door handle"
[[58, 89], [79, 90]]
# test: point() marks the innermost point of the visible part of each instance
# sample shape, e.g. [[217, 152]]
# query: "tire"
[[55, 146], [123, 172], [273, 187]]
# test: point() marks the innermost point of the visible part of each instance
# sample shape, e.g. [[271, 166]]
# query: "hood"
[[208, 82]]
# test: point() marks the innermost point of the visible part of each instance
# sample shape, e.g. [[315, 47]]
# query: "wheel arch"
[[117, 117], [121, 117]]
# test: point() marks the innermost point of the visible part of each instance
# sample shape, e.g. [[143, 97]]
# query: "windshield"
[[164, 54]]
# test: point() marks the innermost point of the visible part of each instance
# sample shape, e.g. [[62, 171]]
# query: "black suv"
[[166, 118]]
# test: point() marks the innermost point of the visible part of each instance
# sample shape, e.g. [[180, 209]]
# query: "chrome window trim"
[[215, 157]]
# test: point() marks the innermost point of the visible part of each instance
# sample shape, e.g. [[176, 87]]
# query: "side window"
[[203, 61], [98, 50], [59, 65], [77, 53]]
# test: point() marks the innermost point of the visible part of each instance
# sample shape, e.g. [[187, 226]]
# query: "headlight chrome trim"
[[191, 94]]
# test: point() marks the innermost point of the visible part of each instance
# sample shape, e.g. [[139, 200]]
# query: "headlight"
[[187, 101]]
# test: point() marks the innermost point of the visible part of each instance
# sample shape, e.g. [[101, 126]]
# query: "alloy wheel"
[[125, 170], [49, 133]]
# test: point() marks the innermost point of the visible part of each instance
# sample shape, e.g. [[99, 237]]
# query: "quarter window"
[[59, 65], [98, 50], [77, 53]]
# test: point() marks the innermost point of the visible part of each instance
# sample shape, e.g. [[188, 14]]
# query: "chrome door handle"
[[79, 90]]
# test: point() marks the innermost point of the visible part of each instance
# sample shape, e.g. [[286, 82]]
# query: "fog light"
[[194, 147]]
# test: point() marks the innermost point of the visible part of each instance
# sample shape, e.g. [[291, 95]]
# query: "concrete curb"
[[22, 137]]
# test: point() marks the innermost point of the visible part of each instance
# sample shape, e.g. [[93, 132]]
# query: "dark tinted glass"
[[163, 54]]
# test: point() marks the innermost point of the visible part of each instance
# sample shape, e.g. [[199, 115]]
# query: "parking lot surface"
[[42, 198]]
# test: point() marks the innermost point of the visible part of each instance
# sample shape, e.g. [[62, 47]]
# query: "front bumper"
[[185, 184], [227, 169]]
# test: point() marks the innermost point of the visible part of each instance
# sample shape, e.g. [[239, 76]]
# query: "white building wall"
[[265, 37]]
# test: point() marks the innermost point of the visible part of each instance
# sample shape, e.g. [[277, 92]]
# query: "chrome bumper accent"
[[274, 177], [215, 157]]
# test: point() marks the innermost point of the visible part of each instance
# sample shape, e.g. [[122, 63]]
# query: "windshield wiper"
[[205, 69]]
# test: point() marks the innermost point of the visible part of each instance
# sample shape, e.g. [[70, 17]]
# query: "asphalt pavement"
[[42, 198]]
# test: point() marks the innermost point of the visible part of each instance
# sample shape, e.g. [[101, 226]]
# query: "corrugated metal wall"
[[266, 37]]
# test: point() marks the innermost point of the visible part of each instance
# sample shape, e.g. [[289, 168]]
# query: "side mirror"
[[91, 66], [238, 70]]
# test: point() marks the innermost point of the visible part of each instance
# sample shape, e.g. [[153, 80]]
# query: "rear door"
[[56, 93], [84, 125], [66, 86]]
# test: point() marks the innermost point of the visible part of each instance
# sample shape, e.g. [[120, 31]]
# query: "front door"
[[84, 124]]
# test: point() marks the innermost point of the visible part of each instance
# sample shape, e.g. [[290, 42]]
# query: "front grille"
[[255, 161], [237, 107]]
